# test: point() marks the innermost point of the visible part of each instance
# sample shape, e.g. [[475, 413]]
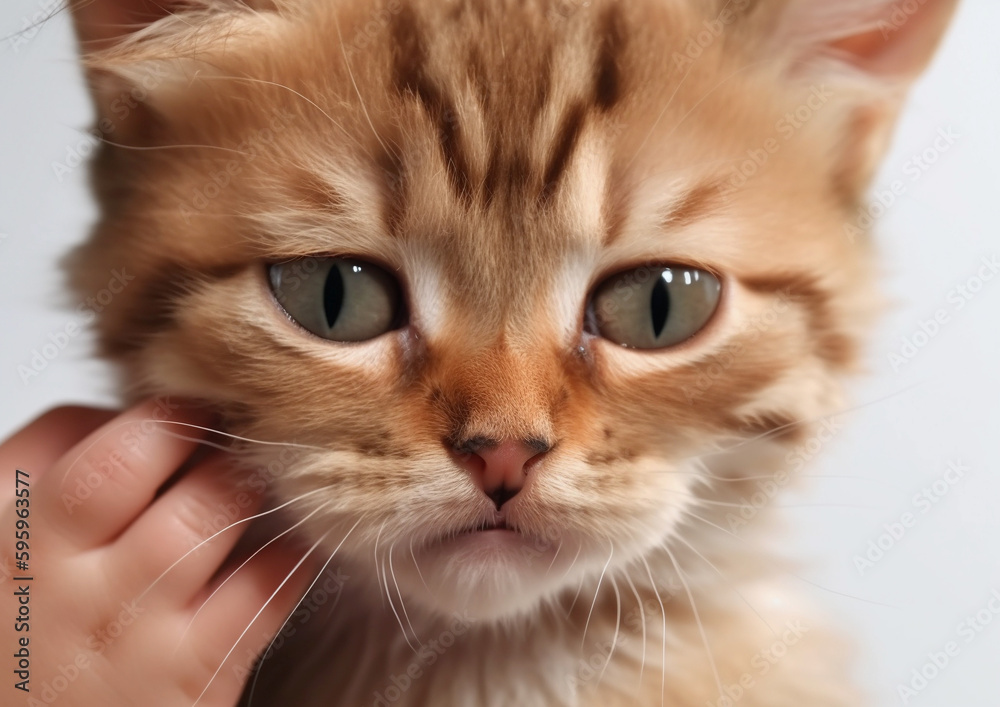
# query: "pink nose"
[[499, 468]]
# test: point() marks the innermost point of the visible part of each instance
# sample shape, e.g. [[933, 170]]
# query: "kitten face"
[[499, 161]]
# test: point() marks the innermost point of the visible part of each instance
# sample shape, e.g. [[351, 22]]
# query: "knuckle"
[[191, 516]]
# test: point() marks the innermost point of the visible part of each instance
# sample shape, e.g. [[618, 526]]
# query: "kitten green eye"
[[654, 307], [340, 299]]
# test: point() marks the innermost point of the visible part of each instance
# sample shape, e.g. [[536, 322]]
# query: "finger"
[[180, 542], [36, 446], [241, 620], [105, 481]]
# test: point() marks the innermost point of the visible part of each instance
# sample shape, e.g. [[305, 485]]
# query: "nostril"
[[501, 495], [498, 467]]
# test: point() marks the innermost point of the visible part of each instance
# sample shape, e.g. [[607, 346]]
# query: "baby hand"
[[100, 602]]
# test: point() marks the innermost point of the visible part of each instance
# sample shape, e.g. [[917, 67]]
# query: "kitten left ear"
[[871, 51], [886, 39]]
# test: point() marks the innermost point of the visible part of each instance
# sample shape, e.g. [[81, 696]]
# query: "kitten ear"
[[137, 54], [99, 23], [870, 52], [891, 40]]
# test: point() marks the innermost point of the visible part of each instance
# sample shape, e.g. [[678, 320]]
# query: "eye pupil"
[[333, 296], [659, 301]]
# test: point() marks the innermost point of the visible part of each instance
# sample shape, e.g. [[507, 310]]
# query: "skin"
[[91, 560]]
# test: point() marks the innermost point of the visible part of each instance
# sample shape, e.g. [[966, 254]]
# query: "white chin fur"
[[487, 577]]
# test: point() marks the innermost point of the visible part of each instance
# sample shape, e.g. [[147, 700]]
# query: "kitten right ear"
[[138, 53], [99, 23], [121, 88]]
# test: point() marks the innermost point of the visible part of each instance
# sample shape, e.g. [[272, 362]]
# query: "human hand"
[[113, 613]]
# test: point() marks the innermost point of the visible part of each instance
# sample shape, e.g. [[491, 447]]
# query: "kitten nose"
[[499, 467]]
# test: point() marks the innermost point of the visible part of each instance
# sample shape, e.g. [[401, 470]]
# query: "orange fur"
[[502, 158]]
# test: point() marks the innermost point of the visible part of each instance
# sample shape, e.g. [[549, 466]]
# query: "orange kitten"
[[543, 295]]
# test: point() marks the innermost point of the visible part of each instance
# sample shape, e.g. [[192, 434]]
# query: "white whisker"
[[416, 566], [583, 641], [253, 685], [243, 564], [220, 532], [642, 618], [257, 615], [733, 587], [402, 604], [618, 623], [663, 616], [697, 618]]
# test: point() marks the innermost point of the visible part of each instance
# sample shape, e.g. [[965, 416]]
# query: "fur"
[[502, 158]]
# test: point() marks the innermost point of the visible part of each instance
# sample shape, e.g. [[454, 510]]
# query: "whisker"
[[554, 558], [361, 100], [375, 553], [784, 571], [392, 605], [642, 618], [245, 562], [579, 549], [246, 439], [257, 615], [147, 148], [712, 90], [583, 641], [697, 618], [402, 604], [417, 567], [691, 547], [127, 423], [220, 532], [257, 671], [807, 421], [326, 115], [663, 616], [618, 622]]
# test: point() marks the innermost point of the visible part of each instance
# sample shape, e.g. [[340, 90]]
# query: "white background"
[[941, 405]]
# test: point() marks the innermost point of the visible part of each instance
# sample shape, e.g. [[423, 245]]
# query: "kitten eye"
[[654, 307], [340, 299]]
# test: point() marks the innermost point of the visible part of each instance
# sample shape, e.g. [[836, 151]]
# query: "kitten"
[[544, 298]]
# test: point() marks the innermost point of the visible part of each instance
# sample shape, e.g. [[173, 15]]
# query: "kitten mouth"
[[497, 524]]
